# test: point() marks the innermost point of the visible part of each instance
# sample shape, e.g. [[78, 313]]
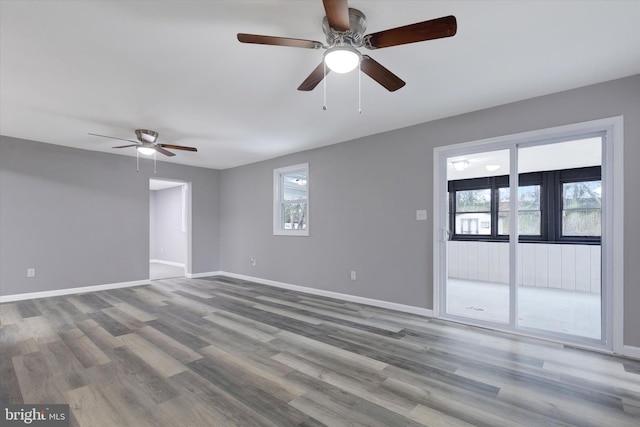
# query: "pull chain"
[[155, 154], [137, 160], [324, 87], [359, 89]]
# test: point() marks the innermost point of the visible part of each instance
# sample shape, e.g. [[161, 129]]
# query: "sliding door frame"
[[612, 242]]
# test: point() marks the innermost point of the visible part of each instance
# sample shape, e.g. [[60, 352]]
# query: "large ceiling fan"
[[146, 143], [344, 28]]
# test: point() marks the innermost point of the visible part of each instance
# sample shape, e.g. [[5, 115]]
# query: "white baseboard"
[[69, 291], [344, 297], [630, 351], [207, 274], [330, 294], [160, 261]]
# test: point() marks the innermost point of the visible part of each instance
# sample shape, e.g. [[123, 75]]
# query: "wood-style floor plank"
[[28, 308], [87, 353], [225, 352], [9, 314], [162, 362]]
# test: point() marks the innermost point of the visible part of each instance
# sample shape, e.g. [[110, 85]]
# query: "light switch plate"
[[421, 215]]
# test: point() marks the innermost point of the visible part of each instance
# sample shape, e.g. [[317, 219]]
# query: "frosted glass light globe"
[[146, 151], [342, 59]]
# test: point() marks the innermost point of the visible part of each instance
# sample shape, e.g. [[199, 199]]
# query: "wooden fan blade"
[[113, 137], [178, 147], [421, 31], [337, 14], [163, 151], [278, 41], [125, 146], [314, 78], [380, 74]]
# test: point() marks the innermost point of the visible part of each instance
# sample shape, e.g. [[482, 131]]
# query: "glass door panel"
[[477, 282], [559, 230]]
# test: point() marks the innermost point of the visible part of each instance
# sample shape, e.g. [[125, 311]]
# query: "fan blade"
[[380, 74], [337, 14], [178, 147], [421, 31], [113, 137], [125, 146], [278, 41], [163, 151], [314, 78]]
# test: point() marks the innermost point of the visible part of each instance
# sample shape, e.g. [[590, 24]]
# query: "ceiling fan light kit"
[[342, 59], [147, 145], [147, 151], [344, 29]]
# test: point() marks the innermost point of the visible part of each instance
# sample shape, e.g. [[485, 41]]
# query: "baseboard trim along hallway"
[[70, 291]]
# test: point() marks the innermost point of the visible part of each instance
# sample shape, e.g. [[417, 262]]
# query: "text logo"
[[35, 415]]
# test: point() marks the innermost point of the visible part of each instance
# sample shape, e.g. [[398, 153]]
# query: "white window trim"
[[277, 173]]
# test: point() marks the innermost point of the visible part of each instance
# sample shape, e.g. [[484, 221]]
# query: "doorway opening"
[[169, 229], [526, 238]]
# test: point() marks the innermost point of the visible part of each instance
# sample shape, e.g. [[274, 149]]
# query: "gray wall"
[[81, 218], [153, 246], [168, 241], [364, 194]]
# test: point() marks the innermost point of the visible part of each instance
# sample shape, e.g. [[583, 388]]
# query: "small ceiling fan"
[[344, 28], [146, 143]]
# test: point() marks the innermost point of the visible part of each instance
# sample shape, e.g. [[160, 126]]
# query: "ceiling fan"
[[146, 143], [344, 28]]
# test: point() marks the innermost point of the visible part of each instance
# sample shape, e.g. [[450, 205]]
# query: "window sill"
[[291, 233], [528, 240]]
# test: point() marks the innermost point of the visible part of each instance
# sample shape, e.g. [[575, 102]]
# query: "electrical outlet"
[[353, 275], [253, 261], [31, 272]]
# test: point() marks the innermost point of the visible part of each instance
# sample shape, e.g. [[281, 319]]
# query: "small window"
[[529, 213], [291, 201], [581, 208], [473, 212]]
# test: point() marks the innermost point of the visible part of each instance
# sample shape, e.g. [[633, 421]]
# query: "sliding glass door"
[[519, 237]]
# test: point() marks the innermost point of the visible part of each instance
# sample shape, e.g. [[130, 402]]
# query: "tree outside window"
[[581, 208]]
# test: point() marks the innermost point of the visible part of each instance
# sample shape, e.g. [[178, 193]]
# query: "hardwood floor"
[[217, 352]]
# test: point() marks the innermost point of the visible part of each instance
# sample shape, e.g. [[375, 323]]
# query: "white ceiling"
[[571, 154], [68, 68]]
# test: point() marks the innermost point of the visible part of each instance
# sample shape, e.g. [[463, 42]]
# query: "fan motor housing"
[[145, 135], [353, 36]]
